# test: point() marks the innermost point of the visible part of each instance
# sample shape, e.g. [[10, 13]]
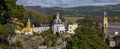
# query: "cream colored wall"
[[71, 28], [18, 31]]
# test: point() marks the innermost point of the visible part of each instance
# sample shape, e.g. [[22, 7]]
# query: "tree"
[[9, 9], [4, 30], [17, 44], [85, 22], [3, 12], [89, 23], [3, 33], [86, 38], [50, 36]]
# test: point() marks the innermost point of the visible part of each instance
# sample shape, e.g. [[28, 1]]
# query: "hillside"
[[112, 10]]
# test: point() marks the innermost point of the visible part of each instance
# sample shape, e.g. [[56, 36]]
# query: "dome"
[[57, 20], [28, 21]]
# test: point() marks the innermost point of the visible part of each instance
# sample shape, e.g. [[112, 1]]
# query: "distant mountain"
[[112, 10]]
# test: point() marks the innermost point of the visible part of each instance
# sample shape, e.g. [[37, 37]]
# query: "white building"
[[40, 29], [58, 26], [112, 43]]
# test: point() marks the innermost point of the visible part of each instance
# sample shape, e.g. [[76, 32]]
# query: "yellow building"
[[71, 28], [28, 29]]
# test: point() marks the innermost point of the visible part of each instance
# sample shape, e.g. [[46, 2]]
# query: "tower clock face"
[[105, 25]]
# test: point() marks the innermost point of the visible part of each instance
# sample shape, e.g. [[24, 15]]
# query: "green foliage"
[[4, 30], [89, 23], [26, 39], [92, 24], [52, 17], [36, 18], [53, 38], [14, 10], [3, 33], [85, 22], [9, 9], [45, 33], [17, 44], [86, 38], [49, 35], [39, 18], [3, 12]]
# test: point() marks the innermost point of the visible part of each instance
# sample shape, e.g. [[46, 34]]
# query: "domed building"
[[57, 20], [58, 26]]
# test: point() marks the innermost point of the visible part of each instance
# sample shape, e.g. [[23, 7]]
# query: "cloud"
[[65, 3], [30, 1]]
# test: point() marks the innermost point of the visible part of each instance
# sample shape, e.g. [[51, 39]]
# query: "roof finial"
[[57, 15], [105, 14]]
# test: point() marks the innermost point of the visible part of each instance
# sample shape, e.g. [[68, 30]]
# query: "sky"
[[66, 3]]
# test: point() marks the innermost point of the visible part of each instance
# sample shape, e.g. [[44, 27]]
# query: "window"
[[70, 27]]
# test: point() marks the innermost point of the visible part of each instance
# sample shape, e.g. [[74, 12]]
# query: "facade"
[[28, 30], [71, 28], [58, 26], [112, 43], [18, 31], [40, 29]]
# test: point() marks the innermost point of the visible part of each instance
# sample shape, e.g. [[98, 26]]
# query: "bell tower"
[[105, 20], [105, 25], [28, 27]]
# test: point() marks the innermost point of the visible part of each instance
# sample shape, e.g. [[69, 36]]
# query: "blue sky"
[[66, 3]]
